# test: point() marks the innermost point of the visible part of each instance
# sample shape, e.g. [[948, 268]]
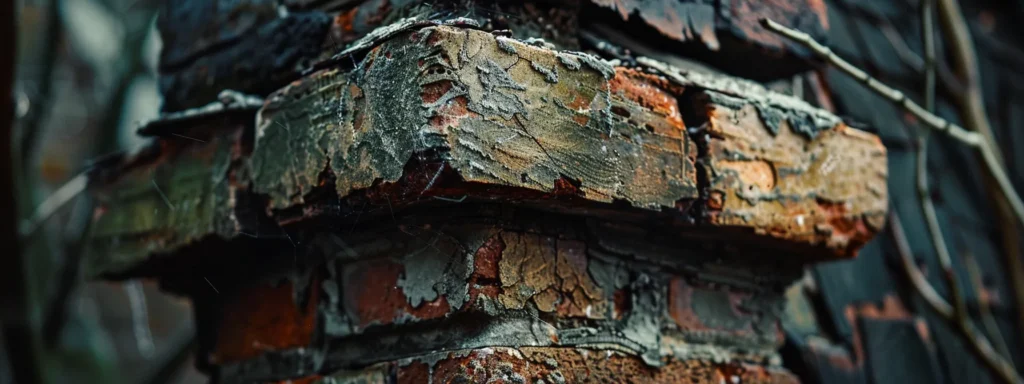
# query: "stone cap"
[[442, 114]]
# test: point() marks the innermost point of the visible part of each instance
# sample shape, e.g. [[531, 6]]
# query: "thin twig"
[[965, 61], [921, 175], [928, 206], [947, 80], [188, 137], [972, 336], [972, 105], [955, 314], [903, 51], [928, 37], [451, 200], [929, 119], [140, 318], [914, 274], [935, 232], [65, 194], [162, 195], [211, 285], [988, 320]]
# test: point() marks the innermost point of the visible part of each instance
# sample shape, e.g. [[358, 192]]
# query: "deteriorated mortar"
[[500, 120], [491, 106], [609, 134], [453, 194], [477, 277]]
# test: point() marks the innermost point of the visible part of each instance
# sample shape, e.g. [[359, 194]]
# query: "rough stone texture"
[[611, 133], [262, 318], [851, 321], [433, 193], [828, 189], [497, 118]]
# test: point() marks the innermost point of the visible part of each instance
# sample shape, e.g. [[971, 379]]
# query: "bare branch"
[[972, 106], [965, 62], [921, 175], [140, 318], [935, 232], [955, 314], [65, 194], [988, 320], [928, 33], [929, 119], [928, 206], [944, 76], [914, 274], [972, 336]]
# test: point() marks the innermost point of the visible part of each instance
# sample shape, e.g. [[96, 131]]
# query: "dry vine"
[[975, 339], [980, 138], [956, 27], [971, 102], [972, 139]]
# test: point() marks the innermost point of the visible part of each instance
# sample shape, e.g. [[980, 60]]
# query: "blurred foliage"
[[85, 76]]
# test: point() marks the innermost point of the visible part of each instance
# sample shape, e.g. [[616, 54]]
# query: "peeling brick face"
[[525, 287], [552, 273], [775, 167], [825, 188], [373, 296], [433, 202]]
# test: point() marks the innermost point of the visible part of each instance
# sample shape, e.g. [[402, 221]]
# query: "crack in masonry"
[[696, 129]]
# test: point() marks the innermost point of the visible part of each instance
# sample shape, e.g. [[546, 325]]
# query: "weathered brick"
[[793, 181], [449, 113]]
